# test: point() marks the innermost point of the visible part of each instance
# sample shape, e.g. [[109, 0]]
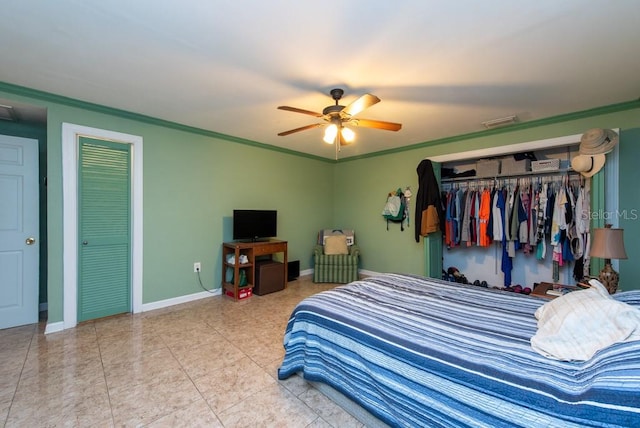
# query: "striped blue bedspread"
[[416, 352]]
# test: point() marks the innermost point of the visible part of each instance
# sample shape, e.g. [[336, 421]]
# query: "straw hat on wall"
[[588, 165], [598, 141]]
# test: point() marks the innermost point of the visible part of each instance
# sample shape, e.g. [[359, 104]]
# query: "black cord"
[[200, 281]]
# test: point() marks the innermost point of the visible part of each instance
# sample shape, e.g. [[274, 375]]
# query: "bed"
[[416, 351]]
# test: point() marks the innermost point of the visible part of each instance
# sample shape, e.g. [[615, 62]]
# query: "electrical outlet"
[[196, 267]]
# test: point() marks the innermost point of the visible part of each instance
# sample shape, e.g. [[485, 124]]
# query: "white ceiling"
[[440, 67]]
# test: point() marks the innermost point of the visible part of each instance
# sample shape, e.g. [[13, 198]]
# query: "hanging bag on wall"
[[395, 208]]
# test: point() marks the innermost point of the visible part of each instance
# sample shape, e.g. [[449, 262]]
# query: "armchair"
[[336, 257]]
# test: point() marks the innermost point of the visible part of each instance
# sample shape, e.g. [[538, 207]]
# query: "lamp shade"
[[348, 135], [607, 243], [330, 134]]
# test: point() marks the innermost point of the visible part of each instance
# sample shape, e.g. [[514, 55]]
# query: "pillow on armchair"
[[336, 244], [325, 233]]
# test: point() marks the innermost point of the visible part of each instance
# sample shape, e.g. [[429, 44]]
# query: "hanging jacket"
[[429, 213]]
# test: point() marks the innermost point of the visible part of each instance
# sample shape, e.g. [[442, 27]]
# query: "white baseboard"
[[181, 299], [306, 272], [54, 327]]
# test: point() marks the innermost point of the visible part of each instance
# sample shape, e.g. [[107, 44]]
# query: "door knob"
[[85, 243], [30, 240]]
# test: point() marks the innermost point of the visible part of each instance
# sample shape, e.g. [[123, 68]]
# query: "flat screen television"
[[254, 224]]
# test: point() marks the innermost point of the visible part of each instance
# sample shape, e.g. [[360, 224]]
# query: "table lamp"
[[607, 244]]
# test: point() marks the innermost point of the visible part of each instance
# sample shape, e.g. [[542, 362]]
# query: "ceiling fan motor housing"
[[337, 93], [332, 110]]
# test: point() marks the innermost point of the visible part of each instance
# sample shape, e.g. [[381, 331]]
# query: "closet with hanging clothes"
[[517, 229]]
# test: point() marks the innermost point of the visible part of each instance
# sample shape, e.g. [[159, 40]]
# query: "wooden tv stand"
[[251, 250]]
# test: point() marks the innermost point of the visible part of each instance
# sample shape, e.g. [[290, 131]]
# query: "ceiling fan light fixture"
[[501, 121], [330, 134], [348, 135], [337, 116]]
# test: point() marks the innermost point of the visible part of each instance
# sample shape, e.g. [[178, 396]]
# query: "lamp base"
[[609, 278]]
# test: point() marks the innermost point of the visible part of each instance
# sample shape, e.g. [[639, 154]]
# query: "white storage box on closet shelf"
[[545, 165]]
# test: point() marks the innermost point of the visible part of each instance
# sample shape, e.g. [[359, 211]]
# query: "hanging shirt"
[[571, 245], [466, 212], [551, 202], [483, 218], [459, 208], [541, 249], [541, 212], [473, 220], [506, 265], [558, 228], [559, 219], [490, 221], [508, 208], [498, 221], [448, 230], [476, 213], [533, 213], [523, 219], [514, 221]]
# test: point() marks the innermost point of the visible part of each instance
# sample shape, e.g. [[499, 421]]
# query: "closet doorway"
[[602, 199], [73, 241]]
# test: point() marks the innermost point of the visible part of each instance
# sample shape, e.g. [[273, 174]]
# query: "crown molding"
[[71, 102]]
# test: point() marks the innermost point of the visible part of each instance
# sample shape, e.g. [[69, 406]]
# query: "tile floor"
[[209, 363]]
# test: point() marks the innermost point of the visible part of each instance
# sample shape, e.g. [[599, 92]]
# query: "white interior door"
[[19, 239]]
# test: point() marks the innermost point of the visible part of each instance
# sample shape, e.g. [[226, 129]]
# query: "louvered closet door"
[[104, 222]]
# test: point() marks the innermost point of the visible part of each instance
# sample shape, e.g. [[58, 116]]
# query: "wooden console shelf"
[[251, 250]]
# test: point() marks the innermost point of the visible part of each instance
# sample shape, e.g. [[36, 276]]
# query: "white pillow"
[[577, 325]]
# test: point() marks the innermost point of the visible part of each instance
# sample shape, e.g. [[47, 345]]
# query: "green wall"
[[193, 180]]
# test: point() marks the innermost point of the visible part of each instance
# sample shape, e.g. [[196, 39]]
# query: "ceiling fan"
[[336, 116]]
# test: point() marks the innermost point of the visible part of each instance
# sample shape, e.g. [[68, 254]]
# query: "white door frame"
[[70, 133]]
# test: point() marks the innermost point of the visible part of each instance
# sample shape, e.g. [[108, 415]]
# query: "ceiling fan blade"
[[365, 101], [378, 124], [302, 128], [299, 110]]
